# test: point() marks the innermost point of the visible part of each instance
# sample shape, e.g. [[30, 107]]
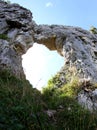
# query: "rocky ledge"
[[18, 32]]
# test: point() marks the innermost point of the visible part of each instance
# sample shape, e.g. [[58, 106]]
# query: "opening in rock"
[[40, 64]]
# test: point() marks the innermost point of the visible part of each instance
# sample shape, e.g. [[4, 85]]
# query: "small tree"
[[93, 30]]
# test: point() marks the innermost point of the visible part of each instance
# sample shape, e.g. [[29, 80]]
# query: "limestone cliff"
[[16, 36], [18, 32]]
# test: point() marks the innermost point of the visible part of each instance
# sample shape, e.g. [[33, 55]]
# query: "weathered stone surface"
[[18, 32], [16, 36], [78, 46], [88, 99]]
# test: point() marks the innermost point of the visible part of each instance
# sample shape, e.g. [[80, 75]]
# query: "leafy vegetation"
[[25, 108], [70, 115], [4, 37], [93, 30]]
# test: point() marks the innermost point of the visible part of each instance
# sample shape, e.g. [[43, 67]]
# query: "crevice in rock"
[[14, 24]]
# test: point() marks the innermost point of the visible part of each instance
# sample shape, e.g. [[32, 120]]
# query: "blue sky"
[[66, 12], [40, 63]]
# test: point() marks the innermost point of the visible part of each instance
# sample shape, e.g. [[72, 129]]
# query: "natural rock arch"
[[18, 32], [77, 46]]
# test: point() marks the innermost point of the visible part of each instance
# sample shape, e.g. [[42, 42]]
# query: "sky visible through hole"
[[40, 64]]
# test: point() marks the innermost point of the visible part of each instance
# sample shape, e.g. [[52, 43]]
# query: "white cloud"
[[49, 4]]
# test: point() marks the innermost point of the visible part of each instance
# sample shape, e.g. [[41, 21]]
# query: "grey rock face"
[[16, 36], [9, 59], [77, 46], [88, 99]]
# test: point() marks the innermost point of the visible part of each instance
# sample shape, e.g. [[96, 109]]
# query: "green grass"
[[21, 106], [25, 108]]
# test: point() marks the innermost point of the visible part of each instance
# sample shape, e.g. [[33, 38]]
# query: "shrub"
[[93, 30], [70, 115], [4, 37]]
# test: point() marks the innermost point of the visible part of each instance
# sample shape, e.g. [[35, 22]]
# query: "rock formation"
[[18, 32], [16, 36]]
